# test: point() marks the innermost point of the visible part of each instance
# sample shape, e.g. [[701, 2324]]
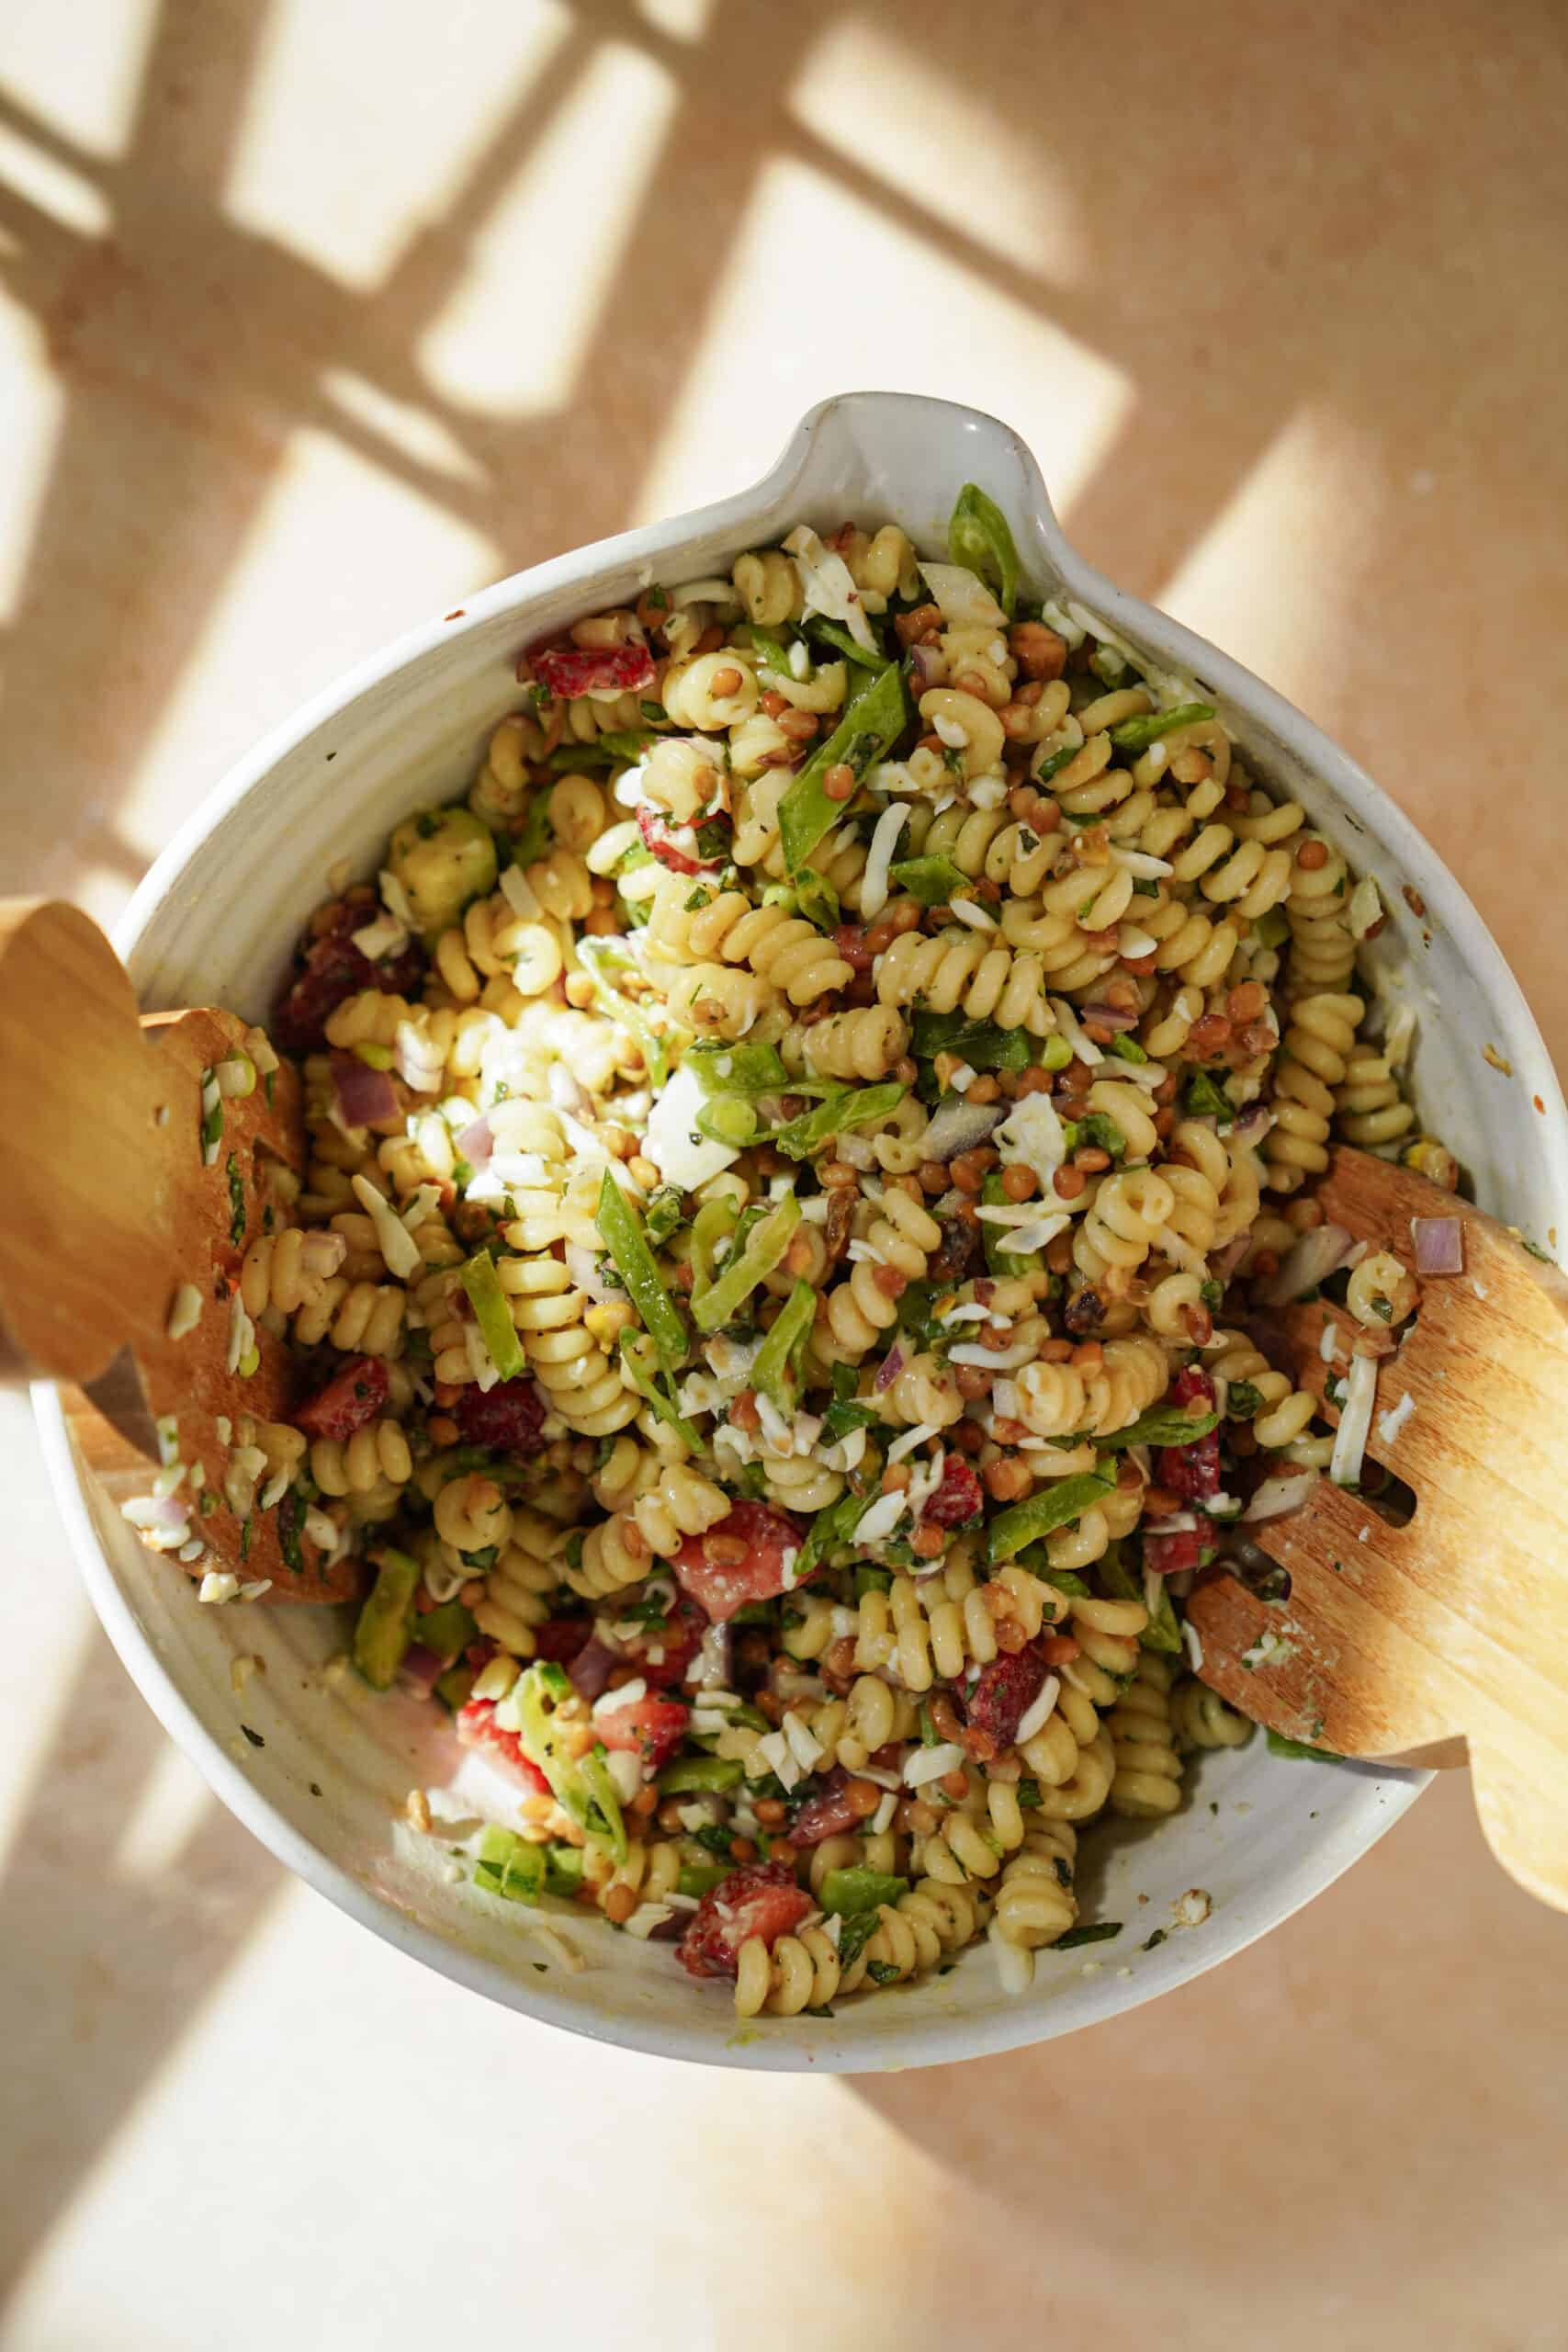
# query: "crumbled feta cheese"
[[1393, 1420]]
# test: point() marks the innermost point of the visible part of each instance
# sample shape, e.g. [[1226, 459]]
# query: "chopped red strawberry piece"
[[651, 1729], [351, 1397], [334, 968], [1005, 1692], [1192, 1386], [569, 671], [560, 1639], [849, 941], [510, 1417], [658, 840], [749, 1555], [476, 1727], [1192, 1470], [826, 1814], [959, 1498], [1168, 1554], [762, 1899]]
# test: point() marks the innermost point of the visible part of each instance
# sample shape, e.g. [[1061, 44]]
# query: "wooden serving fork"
[[1393, 1638], [115, 1205]]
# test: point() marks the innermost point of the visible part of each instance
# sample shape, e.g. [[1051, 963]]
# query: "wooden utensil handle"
[[87, 1241]]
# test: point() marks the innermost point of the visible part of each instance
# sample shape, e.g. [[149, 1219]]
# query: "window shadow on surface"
[[1271, 216], [1277, 2153]]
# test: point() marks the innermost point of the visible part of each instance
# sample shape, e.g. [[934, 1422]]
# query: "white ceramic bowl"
[[214, 923]]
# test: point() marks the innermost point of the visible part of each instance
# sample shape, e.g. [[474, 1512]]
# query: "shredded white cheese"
[[1355, 1421]]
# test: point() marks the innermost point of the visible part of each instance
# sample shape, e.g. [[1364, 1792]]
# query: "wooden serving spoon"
[[113, 1206], [1395, 1638]]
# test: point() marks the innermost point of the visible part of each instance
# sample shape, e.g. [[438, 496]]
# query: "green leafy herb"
[[831, 1526], [826, 632], [999, 1260], [236, 1201], [1153, 1943], [747, 1070], [599, 960], [655, 1386], [1302, 1749], [1040, 1514], [664, 1215], [854, 1106], [1212, 1293], [1103, 1932], [846, 1414], [855, 1934], [1027, 1795], [535, 833], [933, 881], [869, 1577], [979, 1043], [871, 723], [1271, 930], [1137, 734], [1206, 1099], [1242, 1400], [1161, 1425], [978, 538], [1100, 1129], [1162, 1632]]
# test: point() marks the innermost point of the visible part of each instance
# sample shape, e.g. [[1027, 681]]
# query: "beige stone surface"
[[315, 315]]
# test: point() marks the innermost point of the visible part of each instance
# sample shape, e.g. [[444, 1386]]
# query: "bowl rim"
[[934, 2040]]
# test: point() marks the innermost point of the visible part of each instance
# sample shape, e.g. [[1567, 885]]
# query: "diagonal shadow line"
[[96, 2029]]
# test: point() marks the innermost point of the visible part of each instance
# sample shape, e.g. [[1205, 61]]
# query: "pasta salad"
[[795, 1158]]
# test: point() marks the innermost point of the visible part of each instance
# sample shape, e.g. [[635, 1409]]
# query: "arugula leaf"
[[831, 1526], [844, 1415]]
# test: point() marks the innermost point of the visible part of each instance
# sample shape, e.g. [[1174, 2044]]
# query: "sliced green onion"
[[492, 1313], [831, 1526], [762, 1249], [829, 632], [1126, 1048], [729, 1120], [1162, 1632], [872, 722], [980, 539], [599, 960], [633, 1259], [510, 1866], [1103, 1931], [595, 1774]]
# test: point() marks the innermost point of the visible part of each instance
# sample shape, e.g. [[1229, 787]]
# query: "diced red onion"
[[1314, 1257], [1253, 1124], [474, 1145], [365, 1096], [1276, 1496], [1439, 1245], [891, 1366], [421, 1669], [1110, 1016], [961, 1125], [591, 1670], [927, 667]]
